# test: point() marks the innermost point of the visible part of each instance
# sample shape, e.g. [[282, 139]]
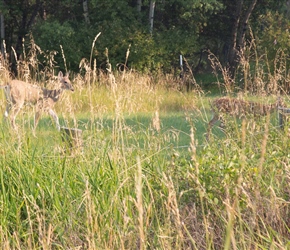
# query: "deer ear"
[[60, 75]]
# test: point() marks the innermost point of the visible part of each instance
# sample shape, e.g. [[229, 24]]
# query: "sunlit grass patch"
[[145, 174]]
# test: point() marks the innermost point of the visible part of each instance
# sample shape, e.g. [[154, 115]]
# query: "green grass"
[[135, 186]]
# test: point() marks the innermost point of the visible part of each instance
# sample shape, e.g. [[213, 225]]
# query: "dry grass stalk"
[[91, 217], [139, 204], [217, 68], [63, 57], [174, 212], [93, 45], [126, 61], [264, 144], [191, 79], [156, 121], [84, 65]]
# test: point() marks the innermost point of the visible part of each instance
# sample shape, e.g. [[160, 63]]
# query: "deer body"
[[239, 108], [19, 93]]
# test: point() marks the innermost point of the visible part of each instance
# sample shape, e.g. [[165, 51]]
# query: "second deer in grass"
[[19, 93], [239, 108]]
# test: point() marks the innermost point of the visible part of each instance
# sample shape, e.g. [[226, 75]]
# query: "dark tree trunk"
[[244, 24], [139, 5], [2, 32], [25, 25], [237, 39], [86, 11], [151, 15], [233, 48]]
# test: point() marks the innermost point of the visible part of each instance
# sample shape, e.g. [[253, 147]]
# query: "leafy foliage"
[[180, 27], [274, 33]]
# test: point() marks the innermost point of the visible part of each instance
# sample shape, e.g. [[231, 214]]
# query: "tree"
[[227, 31], [139, 5], [180, 27], [151, 15], [20, 16], [2, 34], [86, 11], [241, 17]]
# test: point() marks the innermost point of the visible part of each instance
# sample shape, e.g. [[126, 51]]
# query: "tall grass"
[[134, 186]]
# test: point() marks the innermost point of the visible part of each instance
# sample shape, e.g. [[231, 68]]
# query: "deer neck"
[[53, 94]]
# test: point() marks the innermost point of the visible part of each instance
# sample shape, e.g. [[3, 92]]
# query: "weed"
[[145, 177]]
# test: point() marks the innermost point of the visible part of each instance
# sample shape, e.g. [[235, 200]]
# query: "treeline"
[[155, 33]]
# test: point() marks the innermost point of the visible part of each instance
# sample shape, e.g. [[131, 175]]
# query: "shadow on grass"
[[137, 130], [174, 128]]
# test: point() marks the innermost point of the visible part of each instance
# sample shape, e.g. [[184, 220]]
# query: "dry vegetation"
[[131, 187]]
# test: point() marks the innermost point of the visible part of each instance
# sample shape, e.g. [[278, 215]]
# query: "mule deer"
[[19, 93], [239, 108]]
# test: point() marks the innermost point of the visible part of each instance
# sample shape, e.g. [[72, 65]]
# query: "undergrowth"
[[130, 185]]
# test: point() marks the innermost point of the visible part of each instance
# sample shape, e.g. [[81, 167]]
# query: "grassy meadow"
[[145, 177]]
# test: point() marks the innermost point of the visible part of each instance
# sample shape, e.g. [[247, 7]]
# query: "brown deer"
[[19, 93], [239, 108]]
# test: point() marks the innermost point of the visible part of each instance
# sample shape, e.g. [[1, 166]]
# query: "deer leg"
[[36, 119], [8, 108], [55, 117], [222, 124], [14, 113], [210, 125], [9, 102]]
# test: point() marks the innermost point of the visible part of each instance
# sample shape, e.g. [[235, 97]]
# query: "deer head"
[[65, 82]]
